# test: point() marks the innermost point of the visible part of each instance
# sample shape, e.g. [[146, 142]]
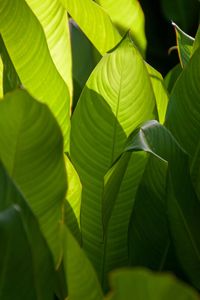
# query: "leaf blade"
[[32, 61]]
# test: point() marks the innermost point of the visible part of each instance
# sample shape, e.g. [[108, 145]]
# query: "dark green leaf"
[[82, 281], [183, 206], [183, 115], [32, 152], [26, 266], [171, 77]]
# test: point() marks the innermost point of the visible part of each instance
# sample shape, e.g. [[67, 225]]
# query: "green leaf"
[[195, 169], [1, 78], [171, 77], [149, 242], [82, 281], [73, 199], [94, 22], [127, 16], [117, 97], [196, 44], [10, 78], [141, 284], [26, 44], [183, 115], [148, 232], [160, 92], [84, 61], [26, 266], [184, 44], [183, 207], [32, 152], [54, 20]]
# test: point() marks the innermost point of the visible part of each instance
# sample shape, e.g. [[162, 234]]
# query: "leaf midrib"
[[116, 117], [111, 161]]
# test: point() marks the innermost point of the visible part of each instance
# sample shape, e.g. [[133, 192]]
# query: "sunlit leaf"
[[127, 15], [94, 22], [117, 97], [54, 20], [160, 92], [73, 199], [27, 47]]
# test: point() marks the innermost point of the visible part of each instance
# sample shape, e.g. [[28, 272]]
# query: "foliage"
[[99, 156]]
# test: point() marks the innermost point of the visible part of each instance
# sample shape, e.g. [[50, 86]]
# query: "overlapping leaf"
[[10, 79], [84, 61], [94, 22], [127, 16], [171, 77], [73, 199], [26, 266], [54, 20], [149, 241], [82, 281], [26, 44], [183, 207], [32, 152], [183, 115], [117, 98], [184, 44], [160, 92], [196, 44]]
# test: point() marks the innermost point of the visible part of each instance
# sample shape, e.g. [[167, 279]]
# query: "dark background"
[[160, 32]]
